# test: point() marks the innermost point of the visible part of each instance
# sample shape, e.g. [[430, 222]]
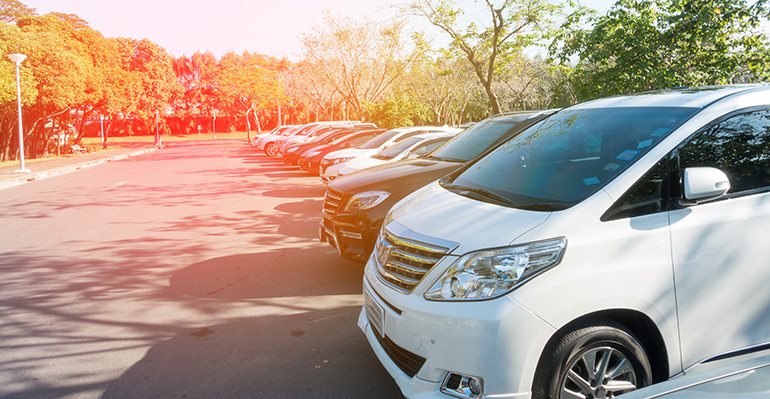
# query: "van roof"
[[688, 97]]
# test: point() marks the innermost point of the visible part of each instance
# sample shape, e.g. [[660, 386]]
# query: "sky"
[[182, 27]]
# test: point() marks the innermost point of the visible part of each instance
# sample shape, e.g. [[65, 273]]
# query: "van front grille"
[[402, 262]]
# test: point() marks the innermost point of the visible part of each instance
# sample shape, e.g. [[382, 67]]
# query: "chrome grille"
[[403, 262], [332, 202]]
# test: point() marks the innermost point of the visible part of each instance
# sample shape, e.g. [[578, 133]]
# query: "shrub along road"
[[193, 271]]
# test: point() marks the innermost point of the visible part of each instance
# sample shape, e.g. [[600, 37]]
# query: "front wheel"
[[601, 360], [271, 150]]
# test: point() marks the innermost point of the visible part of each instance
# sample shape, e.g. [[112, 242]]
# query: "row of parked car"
[[586, 252]]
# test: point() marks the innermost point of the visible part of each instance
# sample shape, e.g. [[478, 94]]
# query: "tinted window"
[[738, 146], [569, 156], [472, 142], [649, 195], [379, 140], [394, 149], [361, 140], [423, 149]]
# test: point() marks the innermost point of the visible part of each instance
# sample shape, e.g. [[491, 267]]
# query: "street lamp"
[[17, 59], [157, 130], [101, 123], [214, 123]]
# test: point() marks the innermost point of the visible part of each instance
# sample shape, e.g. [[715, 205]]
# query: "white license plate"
[[374, 313]]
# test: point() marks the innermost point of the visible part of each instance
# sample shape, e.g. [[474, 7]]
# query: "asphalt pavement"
[[193, 271], [42, 168]]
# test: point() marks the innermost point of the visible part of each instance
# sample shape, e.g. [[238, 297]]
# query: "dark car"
[[356, 204], [310, 160], [293, 152]]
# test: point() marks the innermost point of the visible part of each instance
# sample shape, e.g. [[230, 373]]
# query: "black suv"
[[356, 204]]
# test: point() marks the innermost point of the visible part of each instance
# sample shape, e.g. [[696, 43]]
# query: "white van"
[[613, 245]]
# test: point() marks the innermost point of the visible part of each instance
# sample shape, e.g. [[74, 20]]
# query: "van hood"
[[435, 212]]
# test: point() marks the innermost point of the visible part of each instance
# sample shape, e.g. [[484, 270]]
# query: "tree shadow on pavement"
[[306, 355], [289, 272]]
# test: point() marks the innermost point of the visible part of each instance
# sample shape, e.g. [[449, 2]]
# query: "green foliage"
[[509, 28], [358, 60], [12, 10], [643, 45], [396, 112]]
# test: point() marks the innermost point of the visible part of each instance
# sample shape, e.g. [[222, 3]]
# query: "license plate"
[[374, 313]]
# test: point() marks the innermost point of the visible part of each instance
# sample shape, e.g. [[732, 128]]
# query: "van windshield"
[[564, 159], [473, 141]]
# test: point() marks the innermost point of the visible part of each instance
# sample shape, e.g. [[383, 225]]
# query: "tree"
[[320, 96], [360, 60], [250, 84], [12, 10], [151, 81], [60, 64], [195, 74], [442, 83], [512, 26], [641, 45], [13, 40]]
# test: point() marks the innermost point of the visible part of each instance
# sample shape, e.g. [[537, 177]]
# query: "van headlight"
[[366, 200], [495, 272]]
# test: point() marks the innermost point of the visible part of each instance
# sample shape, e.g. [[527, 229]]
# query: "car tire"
[[601, 360], [271, 150]]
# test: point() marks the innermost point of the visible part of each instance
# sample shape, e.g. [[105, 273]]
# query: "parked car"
[[356, 204], [270, 143], [332, 162], [262, 140], [319, 129], [744, 376], [275, 130], [310, 160], [411, 148], [623, 234], [293, 152]]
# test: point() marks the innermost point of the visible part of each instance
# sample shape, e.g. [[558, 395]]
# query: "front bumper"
[[351, 241], [498, 341]]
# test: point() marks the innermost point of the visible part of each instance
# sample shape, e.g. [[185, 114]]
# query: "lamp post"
[[214, 123], [17, 59], [101, 122], [157, 130]]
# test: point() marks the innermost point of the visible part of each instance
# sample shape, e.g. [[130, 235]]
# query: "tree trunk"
[[82, 127], [259, 125], [248, 127]]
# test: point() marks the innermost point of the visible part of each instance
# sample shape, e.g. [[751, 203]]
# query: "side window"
[[360, 140], [426, 148], [647, 196], [738, 146]]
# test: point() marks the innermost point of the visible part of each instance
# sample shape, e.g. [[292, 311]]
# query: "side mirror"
[[704, 183]]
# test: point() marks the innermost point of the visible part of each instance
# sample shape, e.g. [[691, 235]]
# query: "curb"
[[66, 169]]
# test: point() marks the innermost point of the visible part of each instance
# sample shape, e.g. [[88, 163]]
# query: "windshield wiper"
[[433, 157], [546, 206], [479, 193]]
